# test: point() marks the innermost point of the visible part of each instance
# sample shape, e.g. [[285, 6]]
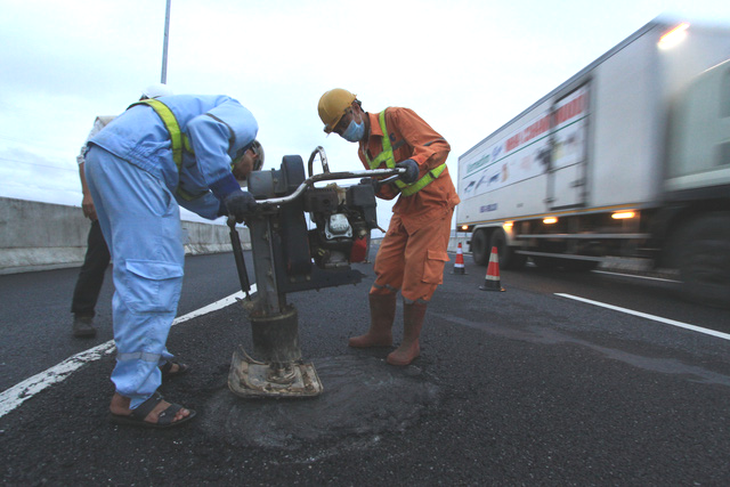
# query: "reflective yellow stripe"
[[424, 181], [178, 139], [189, 196], [388, 158], [387, 154]]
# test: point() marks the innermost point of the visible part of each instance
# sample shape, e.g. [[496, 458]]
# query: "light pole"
[[163, 79]]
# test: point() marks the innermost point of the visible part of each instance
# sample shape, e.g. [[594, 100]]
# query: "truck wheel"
[[704, 264], [480, 247], [508, 259]]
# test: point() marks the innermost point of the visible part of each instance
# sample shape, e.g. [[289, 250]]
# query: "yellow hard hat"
[[332, 106]]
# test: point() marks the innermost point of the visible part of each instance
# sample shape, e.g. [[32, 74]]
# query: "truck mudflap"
[[250, 378]]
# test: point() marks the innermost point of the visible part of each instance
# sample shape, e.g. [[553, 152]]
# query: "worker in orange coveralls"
[[413, 253]]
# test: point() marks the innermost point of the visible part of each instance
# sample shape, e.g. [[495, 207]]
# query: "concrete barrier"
[[38, 236], [41, 236]]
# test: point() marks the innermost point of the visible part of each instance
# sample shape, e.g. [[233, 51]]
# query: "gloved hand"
[[411, 174], [240, 205]]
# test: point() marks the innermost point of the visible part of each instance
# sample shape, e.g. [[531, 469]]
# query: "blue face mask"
[[354, 132]]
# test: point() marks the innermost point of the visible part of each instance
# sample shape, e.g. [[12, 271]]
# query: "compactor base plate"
[[250, 378]]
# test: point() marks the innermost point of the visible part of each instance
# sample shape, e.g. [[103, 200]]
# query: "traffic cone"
[[459, 262], [491, 280]]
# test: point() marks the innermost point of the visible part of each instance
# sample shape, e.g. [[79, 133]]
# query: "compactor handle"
[[238, 255], [334, 176]]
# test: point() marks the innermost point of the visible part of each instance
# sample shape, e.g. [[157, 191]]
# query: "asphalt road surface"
[[539, 385]]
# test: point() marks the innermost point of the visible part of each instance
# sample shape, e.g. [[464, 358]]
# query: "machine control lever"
[[331, 176], [238, 255]]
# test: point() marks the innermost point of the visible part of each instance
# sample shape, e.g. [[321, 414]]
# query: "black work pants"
[[91, 276]]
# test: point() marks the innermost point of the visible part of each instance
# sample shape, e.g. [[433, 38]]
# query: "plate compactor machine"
[[289, 256]]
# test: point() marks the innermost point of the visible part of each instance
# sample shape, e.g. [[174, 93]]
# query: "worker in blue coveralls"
[[96, 260], [183, 149]]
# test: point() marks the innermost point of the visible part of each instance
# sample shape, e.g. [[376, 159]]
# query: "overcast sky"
[[466, 67]]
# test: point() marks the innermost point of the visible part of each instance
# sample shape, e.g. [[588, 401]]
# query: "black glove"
[[240, 205], [411, 174]]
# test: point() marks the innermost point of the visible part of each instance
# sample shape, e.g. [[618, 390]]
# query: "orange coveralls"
[[413, 252]]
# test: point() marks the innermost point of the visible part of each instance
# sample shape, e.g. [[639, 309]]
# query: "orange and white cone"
[[459, 262], [491, 280]]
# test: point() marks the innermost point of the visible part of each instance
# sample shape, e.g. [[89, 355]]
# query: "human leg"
[[382, 297], [140, 221], [410, 348], [89, 282], [390, 261], [425, 257], [382, 313]]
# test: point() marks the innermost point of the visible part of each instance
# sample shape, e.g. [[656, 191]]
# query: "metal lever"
[[238, 254], [332, 176], [382, 182], [322, 156]]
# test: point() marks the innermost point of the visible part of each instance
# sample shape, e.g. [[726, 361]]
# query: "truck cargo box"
[[598, 140], [628, 158]]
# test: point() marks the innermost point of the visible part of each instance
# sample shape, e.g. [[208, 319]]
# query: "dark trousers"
[[91, 276]]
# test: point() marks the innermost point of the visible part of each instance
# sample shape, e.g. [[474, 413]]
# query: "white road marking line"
[[647, 316], [21, 392]]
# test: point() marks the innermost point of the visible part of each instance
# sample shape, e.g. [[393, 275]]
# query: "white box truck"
[[630, 157]]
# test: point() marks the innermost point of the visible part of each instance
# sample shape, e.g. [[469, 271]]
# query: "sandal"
[[166, 417], [166, 369]]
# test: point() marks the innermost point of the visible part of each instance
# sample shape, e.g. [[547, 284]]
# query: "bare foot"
[[174, 369], [120, 407]]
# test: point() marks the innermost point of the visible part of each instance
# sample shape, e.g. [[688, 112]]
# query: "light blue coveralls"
[[136, 187]]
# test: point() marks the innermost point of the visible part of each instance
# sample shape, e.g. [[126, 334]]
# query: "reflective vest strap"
[[187, 196], [387, 154], [388, 158], [177, 138], [386, 139], [424, 181], [375, 163]]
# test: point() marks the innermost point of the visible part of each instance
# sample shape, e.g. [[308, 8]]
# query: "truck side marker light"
[[623, 215], [550, 220]]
